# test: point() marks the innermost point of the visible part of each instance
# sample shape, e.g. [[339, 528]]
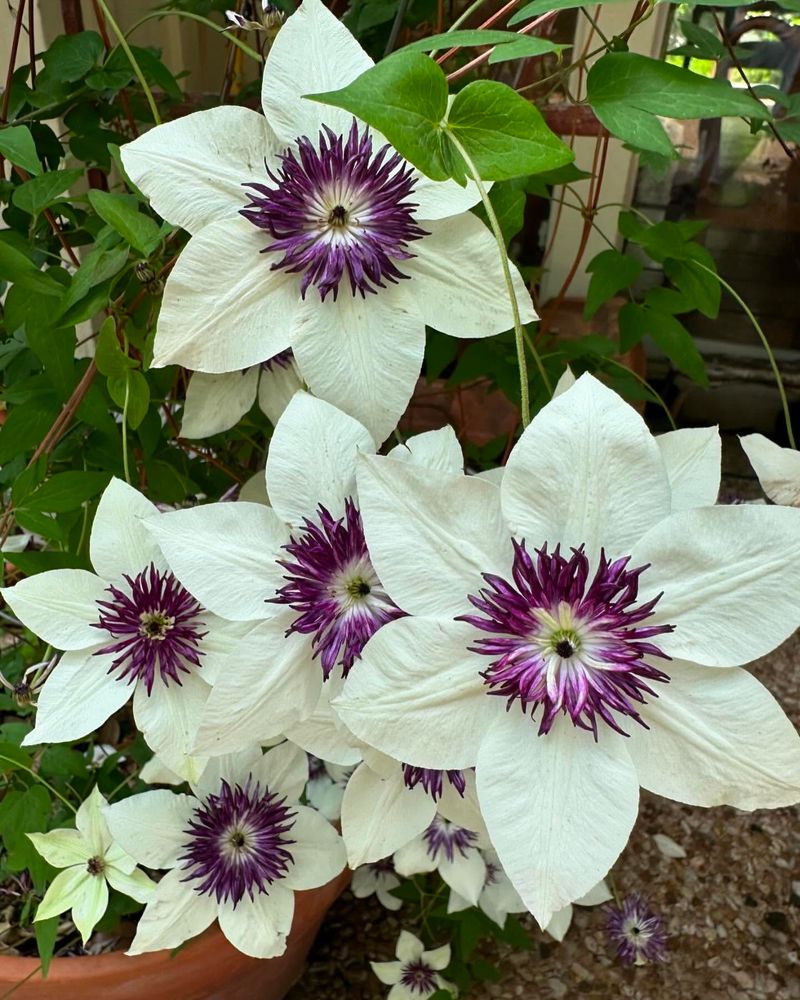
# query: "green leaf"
[[545, 6], [24, 428], [121, 211], [486, 970], [708, 45], [22, 813], [405, 98], [508, 200], [462, 39], [503, 134], [66, 491], [41, 524], [70, 57], [696, 284], [525, 47], [98, 266], [17, 145], [670, 335], [138, 392], [46, 932], [109, 357], [12, 757], [40, 192], [53, 345], [19, 269], [611, 271], [32, 563]]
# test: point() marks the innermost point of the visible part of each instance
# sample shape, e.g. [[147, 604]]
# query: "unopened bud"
[[144, 272]]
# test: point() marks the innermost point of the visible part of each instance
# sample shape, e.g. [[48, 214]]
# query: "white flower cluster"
[[489, 667]]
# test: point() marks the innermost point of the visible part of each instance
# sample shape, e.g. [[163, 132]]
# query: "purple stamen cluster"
[[281, 360], [237, 842], [432, 780], [636, 931], [156, 626], [335, 589], [419, 978], [567, 643], [338, 210], [444, 837]]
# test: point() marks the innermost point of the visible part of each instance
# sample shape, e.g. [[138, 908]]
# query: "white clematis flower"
[[303, 226], [91, 861], [416, 973], [326, 785], [130, 628], [214, 403], [778, 469], [377, 878], [298, 573], [451, 850], [236, 850], [542, 619]]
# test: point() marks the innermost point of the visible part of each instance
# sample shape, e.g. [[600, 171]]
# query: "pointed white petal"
[[234, 768], [168, 720], [283, 769], [401, 992], [717, 737], [456, 903], [276, 387], [441, 199], [317, 852], [60, 606], [215, 403], [224, 553], [313, 53], [254, 489], [409, 947], [585, 471], [596, 895], [134, 884], [312, 458], [471, 299], [431, 535], [76, 698], [414, 858], [418, 694], [385, 897], [362, 355], [692, 456], [119, 542], [192, 169], [559, 807], [566, 381], [259, 927], [465, 875], [174, 914], [323, 733], [224, 309], [387, 972], [560, 923], [63, 892], [778, 469], [89, 905], [150, 826], [433, 450], [437, 958], [730, 581], [61, 848], [381, 815], [463, 810], [269, 683], [91, 824]]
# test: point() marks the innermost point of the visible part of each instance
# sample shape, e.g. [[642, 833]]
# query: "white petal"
[[234, 768], [215, 403], [270, 682], [224, 553], [323, 733], [259, 927], [312, 458], [61, 848], [560, 923], [431, 535], [463, 810], [59, 606], [380, 815], [470, 299], [134, 884], [150, 826], [63, 892], [401, 992], [254, 489], [441, 199], [414, 858], [313, 53], [418, 694], [717, 737], [692, 456], [585, 471], [276, 387], [362, 354], [89, 905], [317, 852], [433, 450], [91, 824], [192, 169], [559, 807], [174, 914], [283, 769], [388, 973], [386, 899], [76, 698], [778, 469], [566, 381], [224, 309], [409, 947], [119, 542], [730, 581], [596, 895], [168, 720], [437, 958], [456, 903], [465, 875]]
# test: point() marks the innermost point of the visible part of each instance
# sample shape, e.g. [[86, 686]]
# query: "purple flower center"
[[432, 780], [568, 644], [445, 838], [334, 588], [338, 210], [237, 842], [282, 360], [156, 626], [636, 931], [419, 978]]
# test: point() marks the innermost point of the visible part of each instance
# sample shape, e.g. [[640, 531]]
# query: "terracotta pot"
[[207, 968]]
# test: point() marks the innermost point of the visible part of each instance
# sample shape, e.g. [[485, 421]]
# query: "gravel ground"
[[732, 910]]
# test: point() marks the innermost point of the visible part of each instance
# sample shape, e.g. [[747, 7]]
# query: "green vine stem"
[[148, 93], [40, 779], [202, 20], [125, 465], [512, 295]]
